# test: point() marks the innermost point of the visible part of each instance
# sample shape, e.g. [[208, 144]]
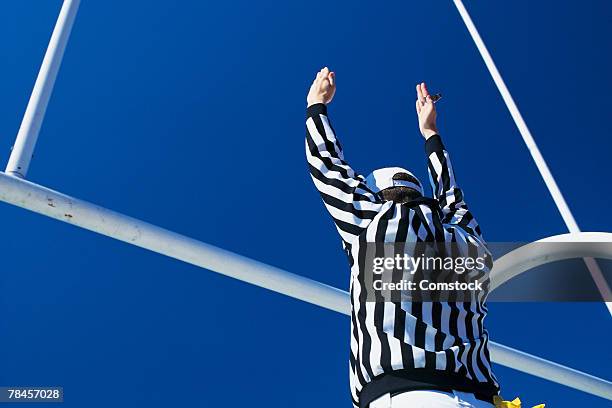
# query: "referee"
[[402, 354]]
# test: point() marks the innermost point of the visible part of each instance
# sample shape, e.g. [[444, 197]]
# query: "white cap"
[[381, 179]]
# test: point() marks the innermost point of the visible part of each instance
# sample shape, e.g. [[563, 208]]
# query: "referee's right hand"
[[426, 111]]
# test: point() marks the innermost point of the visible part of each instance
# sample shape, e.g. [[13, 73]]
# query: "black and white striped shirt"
[[439, 343]]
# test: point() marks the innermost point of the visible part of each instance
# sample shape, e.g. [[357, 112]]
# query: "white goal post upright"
[[23, 149], [15, 190], [549, 180]]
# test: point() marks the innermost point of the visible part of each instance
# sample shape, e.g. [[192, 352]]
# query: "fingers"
[[424, 90], [325, 73], [323, 87], [423, 94], [418, 106]]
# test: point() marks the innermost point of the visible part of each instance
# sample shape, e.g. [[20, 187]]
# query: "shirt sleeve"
[[455, 212], [350, 202]]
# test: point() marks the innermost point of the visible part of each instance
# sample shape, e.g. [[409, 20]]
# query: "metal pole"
[[553, 188], [42, 200], [19, 162], [557, 248], [45, 201], [550, 371]]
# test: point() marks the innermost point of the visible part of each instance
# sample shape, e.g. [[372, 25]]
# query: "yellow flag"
[[515, 403]]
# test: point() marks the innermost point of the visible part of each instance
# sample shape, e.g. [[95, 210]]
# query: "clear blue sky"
[[190, 115]]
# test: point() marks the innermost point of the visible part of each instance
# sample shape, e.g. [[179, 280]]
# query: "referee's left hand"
[[323, 88]]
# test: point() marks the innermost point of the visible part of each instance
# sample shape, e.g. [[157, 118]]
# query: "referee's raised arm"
[[441, 173], [350, 202]]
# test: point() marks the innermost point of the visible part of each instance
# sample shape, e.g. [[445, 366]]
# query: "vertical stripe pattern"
[[444, 337]]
